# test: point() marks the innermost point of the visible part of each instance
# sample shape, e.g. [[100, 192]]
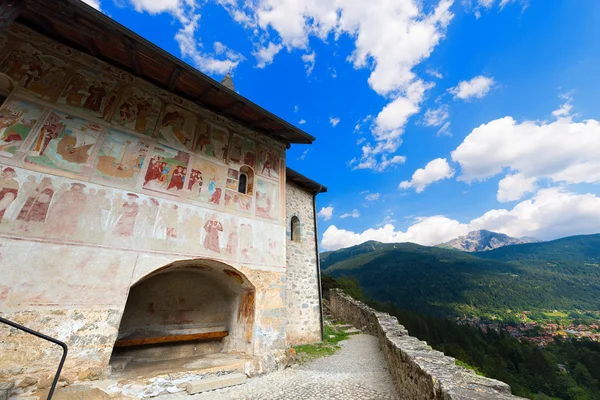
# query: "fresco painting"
[[212, 141], [268, 162], [267, 199], [41, 73], [121, 157], [206, 181], [91, 91], [213, 231], [64, 142], [138, 111], [17, 118], [177, 127], [167, 170], [238, 201], [243, 151]]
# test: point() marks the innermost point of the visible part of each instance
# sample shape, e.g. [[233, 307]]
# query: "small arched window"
[[295, 229], [242, 184]]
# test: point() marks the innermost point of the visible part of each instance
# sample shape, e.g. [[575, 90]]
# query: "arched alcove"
[[187, 309], [295, 229]]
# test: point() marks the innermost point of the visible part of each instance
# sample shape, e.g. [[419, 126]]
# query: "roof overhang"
[[302, 181], [75, 24]]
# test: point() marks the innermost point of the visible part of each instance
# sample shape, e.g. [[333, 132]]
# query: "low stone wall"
[[418, 371]]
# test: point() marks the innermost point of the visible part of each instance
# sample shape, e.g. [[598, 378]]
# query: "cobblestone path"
[[355, 372]]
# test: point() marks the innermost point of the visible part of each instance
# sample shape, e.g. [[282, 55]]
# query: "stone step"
[[5, 388], [217, 382], [352, 331], [344, 327]]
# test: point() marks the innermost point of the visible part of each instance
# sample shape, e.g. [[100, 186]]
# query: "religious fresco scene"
[[17, 119], [167, 170], [267, 199], [268, 162], [212, 141], [177, 127], [243, 151], [206, 181], [64, 142], [138, 111]]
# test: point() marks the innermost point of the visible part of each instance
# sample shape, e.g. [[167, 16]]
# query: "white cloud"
[[326, 213], [565, 109], [296, 109], [265, 54], [309, 62], [334, 121], [477, 6], [155, 6], [436, 117], [372, 196], [434, 73], [302, 122], [552, 213], [303, 155], [444, 130], [514, 186], [333, 72], [435, 170], [93, 3], [562, 150], [477, 87], [353, 214]]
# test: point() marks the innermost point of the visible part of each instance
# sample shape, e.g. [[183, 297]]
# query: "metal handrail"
[[48, 338]]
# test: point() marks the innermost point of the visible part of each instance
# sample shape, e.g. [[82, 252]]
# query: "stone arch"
[[181, 301], [295, 229]]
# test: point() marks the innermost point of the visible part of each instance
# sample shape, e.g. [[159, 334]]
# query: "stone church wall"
[[100, 186], [302, 294]]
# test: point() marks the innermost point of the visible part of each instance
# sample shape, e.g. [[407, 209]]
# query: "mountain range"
[[562, 274], [483, 240]]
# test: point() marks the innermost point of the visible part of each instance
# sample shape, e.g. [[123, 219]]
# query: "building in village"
[[142, 202]]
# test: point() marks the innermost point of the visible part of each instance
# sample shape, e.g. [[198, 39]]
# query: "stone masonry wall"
[[418, 371], [302, 293]]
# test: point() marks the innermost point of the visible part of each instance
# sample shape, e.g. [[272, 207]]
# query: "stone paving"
[[356, 371]]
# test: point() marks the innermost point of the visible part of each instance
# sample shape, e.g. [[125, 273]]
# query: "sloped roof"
[[302, 181]]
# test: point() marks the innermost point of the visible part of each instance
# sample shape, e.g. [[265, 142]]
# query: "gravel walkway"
[[356, 371]]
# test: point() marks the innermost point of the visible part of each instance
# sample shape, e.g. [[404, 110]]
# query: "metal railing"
[[48, 338]]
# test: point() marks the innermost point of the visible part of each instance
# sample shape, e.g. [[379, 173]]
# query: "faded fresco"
[[243, 151], [64, 142], [121, 158], [267, 199], [268, 162], [206, 181], [17, 118], [138, 111], [167, 170], [177, 127], [91, 91], [237, 201], [33, 204], [35, 70], [212, 141]]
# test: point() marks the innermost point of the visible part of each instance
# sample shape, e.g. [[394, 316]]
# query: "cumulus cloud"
[[334, 121], [562, 150], [435, 170], [514, 186], [477, 88], [93, 3], [326, 213], [309, 62], [372, 196], [434, 73], [264, 54], [550, 214], [437, 116], [353, 214]]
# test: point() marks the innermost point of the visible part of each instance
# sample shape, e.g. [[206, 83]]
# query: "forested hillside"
[[562, 274]]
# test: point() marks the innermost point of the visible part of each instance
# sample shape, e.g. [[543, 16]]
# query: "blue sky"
[[432, 118]]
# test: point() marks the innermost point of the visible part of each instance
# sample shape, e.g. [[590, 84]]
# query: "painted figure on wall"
[[167, 170], [138, 111], [125, 224], [212, 228], [97, 211], [243, 151], [267, 199], [268, 162], [177, 127], [37, 204], [35, 70], [64, 142], [121, 157], [91, 90], [247, 241], [65, 213], [206, 181], [9, 189], [212, 141], [17, 118], [237, 201], [193, 226]]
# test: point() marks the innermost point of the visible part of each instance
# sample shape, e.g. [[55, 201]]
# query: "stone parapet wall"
[[418, 371]]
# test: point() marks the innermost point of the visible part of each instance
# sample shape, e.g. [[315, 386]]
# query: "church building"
[[147, 216]]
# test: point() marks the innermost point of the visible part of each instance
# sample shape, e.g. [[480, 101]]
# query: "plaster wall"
[[302, 298], [104, 180]]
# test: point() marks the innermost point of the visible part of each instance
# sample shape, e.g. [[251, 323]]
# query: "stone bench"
[[172, 339]]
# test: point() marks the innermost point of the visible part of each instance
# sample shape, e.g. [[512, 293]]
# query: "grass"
[[329, 346], [464, 364], [555, 314]]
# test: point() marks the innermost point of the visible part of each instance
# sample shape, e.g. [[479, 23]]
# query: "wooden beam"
[[207, 92], [172, 339], [259, 122], [133, 55], [174, 78], [233, 107], [90, 44]]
